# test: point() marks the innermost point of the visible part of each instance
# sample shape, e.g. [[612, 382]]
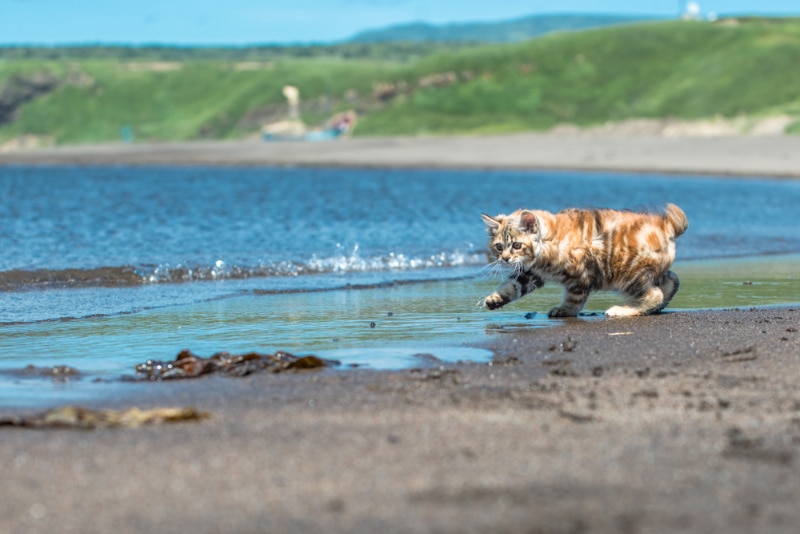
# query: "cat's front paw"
[[562, 311], [494, 301]]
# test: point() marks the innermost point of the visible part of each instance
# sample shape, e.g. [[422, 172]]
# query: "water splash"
[[220, 269]]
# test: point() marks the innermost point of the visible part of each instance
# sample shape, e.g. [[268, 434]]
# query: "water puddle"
[[407, 357]]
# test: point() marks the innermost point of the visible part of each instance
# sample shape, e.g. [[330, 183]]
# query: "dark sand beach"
[[681, 422]]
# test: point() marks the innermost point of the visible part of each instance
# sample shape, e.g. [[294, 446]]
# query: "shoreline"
[[736, 156]]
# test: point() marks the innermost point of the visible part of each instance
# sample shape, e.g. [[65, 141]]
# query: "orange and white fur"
[[588, 250]]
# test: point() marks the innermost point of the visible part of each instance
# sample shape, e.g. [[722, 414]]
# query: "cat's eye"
[[498, 247], [517, 245]]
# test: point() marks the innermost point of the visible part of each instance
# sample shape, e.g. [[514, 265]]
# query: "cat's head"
[[510, 236]]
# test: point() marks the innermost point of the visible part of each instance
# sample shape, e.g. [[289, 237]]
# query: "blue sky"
[[237, 22]]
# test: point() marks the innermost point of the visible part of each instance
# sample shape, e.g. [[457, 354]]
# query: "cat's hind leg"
[[653, 301], [650, 302], [669, 284]]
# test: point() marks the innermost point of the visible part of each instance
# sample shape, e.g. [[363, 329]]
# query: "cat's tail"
[[676, 218]]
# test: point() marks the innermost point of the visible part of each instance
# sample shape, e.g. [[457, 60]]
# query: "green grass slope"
[[676, 69], [671, 69], [178, 101]]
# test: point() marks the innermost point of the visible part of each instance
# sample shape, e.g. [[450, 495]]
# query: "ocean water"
[[104, 267]]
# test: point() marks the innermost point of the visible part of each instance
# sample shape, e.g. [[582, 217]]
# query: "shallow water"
[[104, 268], [396, 326]]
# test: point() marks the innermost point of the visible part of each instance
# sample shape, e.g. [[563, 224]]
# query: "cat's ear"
[[492, 223], [528, 222]]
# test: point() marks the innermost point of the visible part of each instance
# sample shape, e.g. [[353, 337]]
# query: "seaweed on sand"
[[189, 365], [86, 419]]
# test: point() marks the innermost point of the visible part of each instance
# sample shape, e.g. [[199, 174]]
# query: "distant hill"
[[492, 32], [735, 67]]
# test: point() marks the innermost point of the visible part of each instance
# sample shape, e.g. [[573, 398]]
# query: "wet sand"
[[681, 422]]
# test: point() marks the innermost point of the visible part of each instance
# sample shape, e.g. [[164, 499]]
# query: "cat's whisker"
[[495, 269]]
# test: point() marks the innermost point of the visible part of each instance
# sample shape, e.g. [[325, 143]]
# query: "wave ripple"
[[122, 276]]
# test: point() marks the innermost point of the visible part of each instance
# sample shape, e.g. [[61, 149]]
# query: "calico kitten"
[[585, 251]]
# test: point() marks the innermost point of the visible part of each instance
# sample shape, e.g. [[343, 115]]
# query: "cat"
[[588, 250]]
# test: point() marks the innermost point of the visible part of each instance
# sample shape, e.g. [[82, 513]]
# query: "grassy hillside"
[[670, 69], [180, 100], [675, 69]]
